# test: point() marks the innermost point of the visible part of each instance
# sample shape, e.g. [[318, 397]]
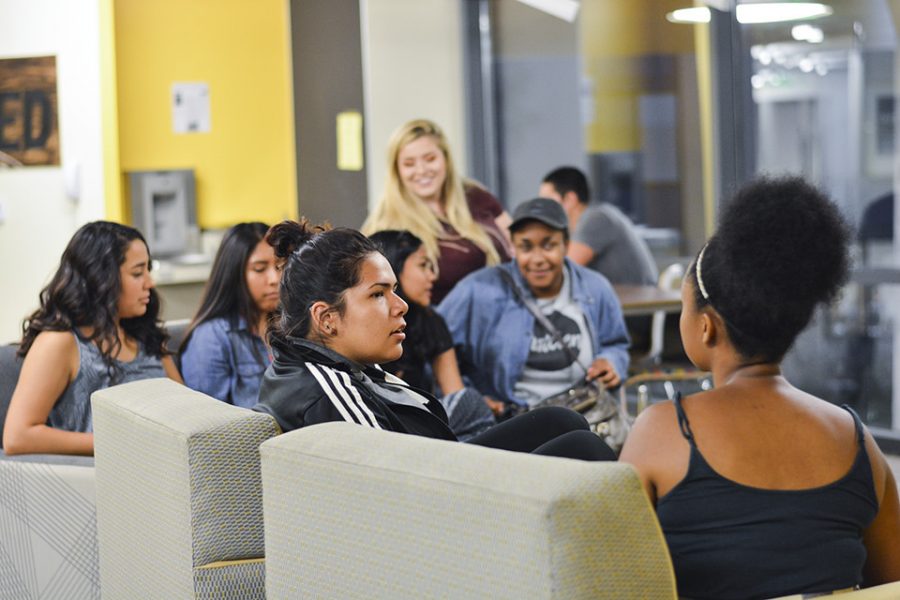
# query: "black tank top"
[[729, 540]]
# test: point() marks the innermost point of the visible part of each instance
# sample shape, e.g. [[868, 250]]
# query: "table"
[[644, 300]]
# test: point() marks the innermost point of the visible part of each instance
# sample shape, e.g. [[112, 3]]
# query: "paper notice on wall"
[[190, 107], [349, 141]]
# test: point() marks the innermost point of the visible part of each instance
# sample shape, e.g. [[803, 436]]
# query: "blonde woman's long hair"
[[399, 208]]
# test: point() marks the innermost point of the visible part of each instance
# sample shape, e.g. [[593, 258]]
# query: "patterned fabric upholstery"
[[351, 512], [230, 580], [48, 528], [178, 488]]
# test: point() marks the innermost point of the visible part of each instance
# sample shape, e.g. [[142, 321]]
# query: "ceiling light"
[[776, 12], [699, 14], [770, 12], [807, 33]]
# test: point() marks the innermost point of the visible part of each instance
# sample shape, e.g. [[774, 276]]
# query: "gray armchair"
[[48, 523]]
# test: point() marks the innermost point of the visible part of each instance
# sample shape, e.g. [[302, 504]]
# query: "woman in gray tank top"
[[96, 327]]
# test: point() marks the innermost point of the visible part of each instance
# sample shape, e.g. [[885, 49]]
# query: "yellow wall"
[[615, 36], [245, 165]]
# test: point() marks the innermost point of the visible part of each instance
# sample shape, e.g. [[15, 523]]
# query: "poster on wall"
[[29, 127], [190, 107]]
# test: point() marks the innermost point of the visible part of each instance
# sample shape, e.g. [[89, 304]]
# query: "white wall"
[[412, 68], [39, 217]]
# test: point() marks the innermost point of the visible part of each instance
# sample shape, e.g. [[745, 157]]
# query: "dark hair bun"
[[781, 248], [287, 236]]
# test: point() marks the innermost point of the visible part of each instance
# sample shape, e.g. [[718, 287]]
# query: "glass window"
[[666, 118], [823, 92]]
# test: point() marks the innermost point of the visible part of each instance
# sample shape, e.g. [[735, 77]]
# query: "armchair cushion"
[[355, 512]]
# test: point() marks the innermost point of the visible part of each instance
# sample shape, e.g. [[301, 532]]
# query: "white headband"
[[702, 287]]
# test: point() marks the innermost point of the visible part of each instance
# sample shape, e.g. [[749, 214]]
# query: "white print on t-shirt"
[[546, 353]]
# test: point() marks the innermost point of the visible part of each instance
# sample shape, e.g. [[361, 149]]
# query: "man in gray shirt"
[[603, 238]]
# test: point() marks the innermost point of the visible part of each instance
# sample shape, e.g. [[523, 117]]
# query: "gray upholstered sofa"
[[48, 526]]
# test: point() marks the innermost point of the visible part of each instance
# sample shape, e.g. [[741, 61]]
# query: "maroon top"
[[460, 256]]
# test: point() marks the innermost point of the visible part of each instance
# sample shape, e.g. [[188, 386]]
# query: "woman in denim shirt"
[[224, 353]]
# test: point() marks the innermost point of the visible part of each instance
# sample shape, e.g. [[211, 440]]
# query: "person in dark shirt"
[[340, 318], [878, 219], [761, 489]]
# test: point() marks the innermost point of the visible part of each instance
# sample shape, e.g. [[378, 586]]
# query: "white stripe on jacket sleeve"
[[355, 393], [323, 383], [343, 395], [350, 397]]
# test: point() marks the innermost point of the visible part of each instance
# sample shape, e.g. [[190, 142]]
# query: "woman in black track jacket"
[[340, 318]]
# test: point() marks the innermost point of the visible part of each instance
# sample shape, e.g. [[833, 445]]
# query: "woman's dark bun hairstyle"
[[397, 246], [781, 248], [320, 265]]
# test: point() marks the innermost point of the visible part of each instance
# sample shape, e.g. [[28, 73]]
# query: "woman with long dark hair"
[[224, 353], [97, 326], [340, 318], [428, 342]]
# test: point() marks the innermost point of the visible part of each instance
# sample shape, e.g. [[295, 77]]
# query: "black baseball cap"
[[547, 211]]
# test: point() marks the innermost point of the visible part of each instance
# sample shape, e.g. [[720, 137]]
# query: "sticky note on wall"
[[349, 141]]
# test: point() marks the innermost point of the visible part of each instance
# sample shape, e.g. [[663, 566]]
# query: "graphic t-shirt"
[[549, 368]]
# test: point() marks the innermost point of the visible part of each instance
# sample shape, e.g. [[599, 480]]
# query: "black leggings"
[[550, 431]]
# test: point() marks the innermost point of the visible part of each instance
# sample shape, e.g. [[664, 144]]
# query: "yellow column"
[[112, 179]]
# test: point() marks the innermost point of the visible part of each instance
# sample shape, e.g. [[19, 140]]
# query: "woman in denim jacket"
[[501, 348], [224, 353]]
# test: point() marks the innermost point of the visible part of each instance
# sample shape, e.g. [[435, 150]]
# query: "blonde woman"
[[462, 226]]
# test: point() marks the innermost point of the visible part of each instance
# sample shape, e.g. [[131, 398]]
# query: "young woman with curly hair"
[[762, 489], [96, 327]]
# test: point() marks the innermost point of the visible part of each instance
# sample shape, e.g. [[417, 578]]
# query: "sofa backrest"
[[10, 365], [355, 512], [178, 492]]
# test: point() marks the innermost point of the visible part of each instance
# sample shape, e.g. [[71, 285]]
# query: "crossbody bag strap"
[[541, 318]]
